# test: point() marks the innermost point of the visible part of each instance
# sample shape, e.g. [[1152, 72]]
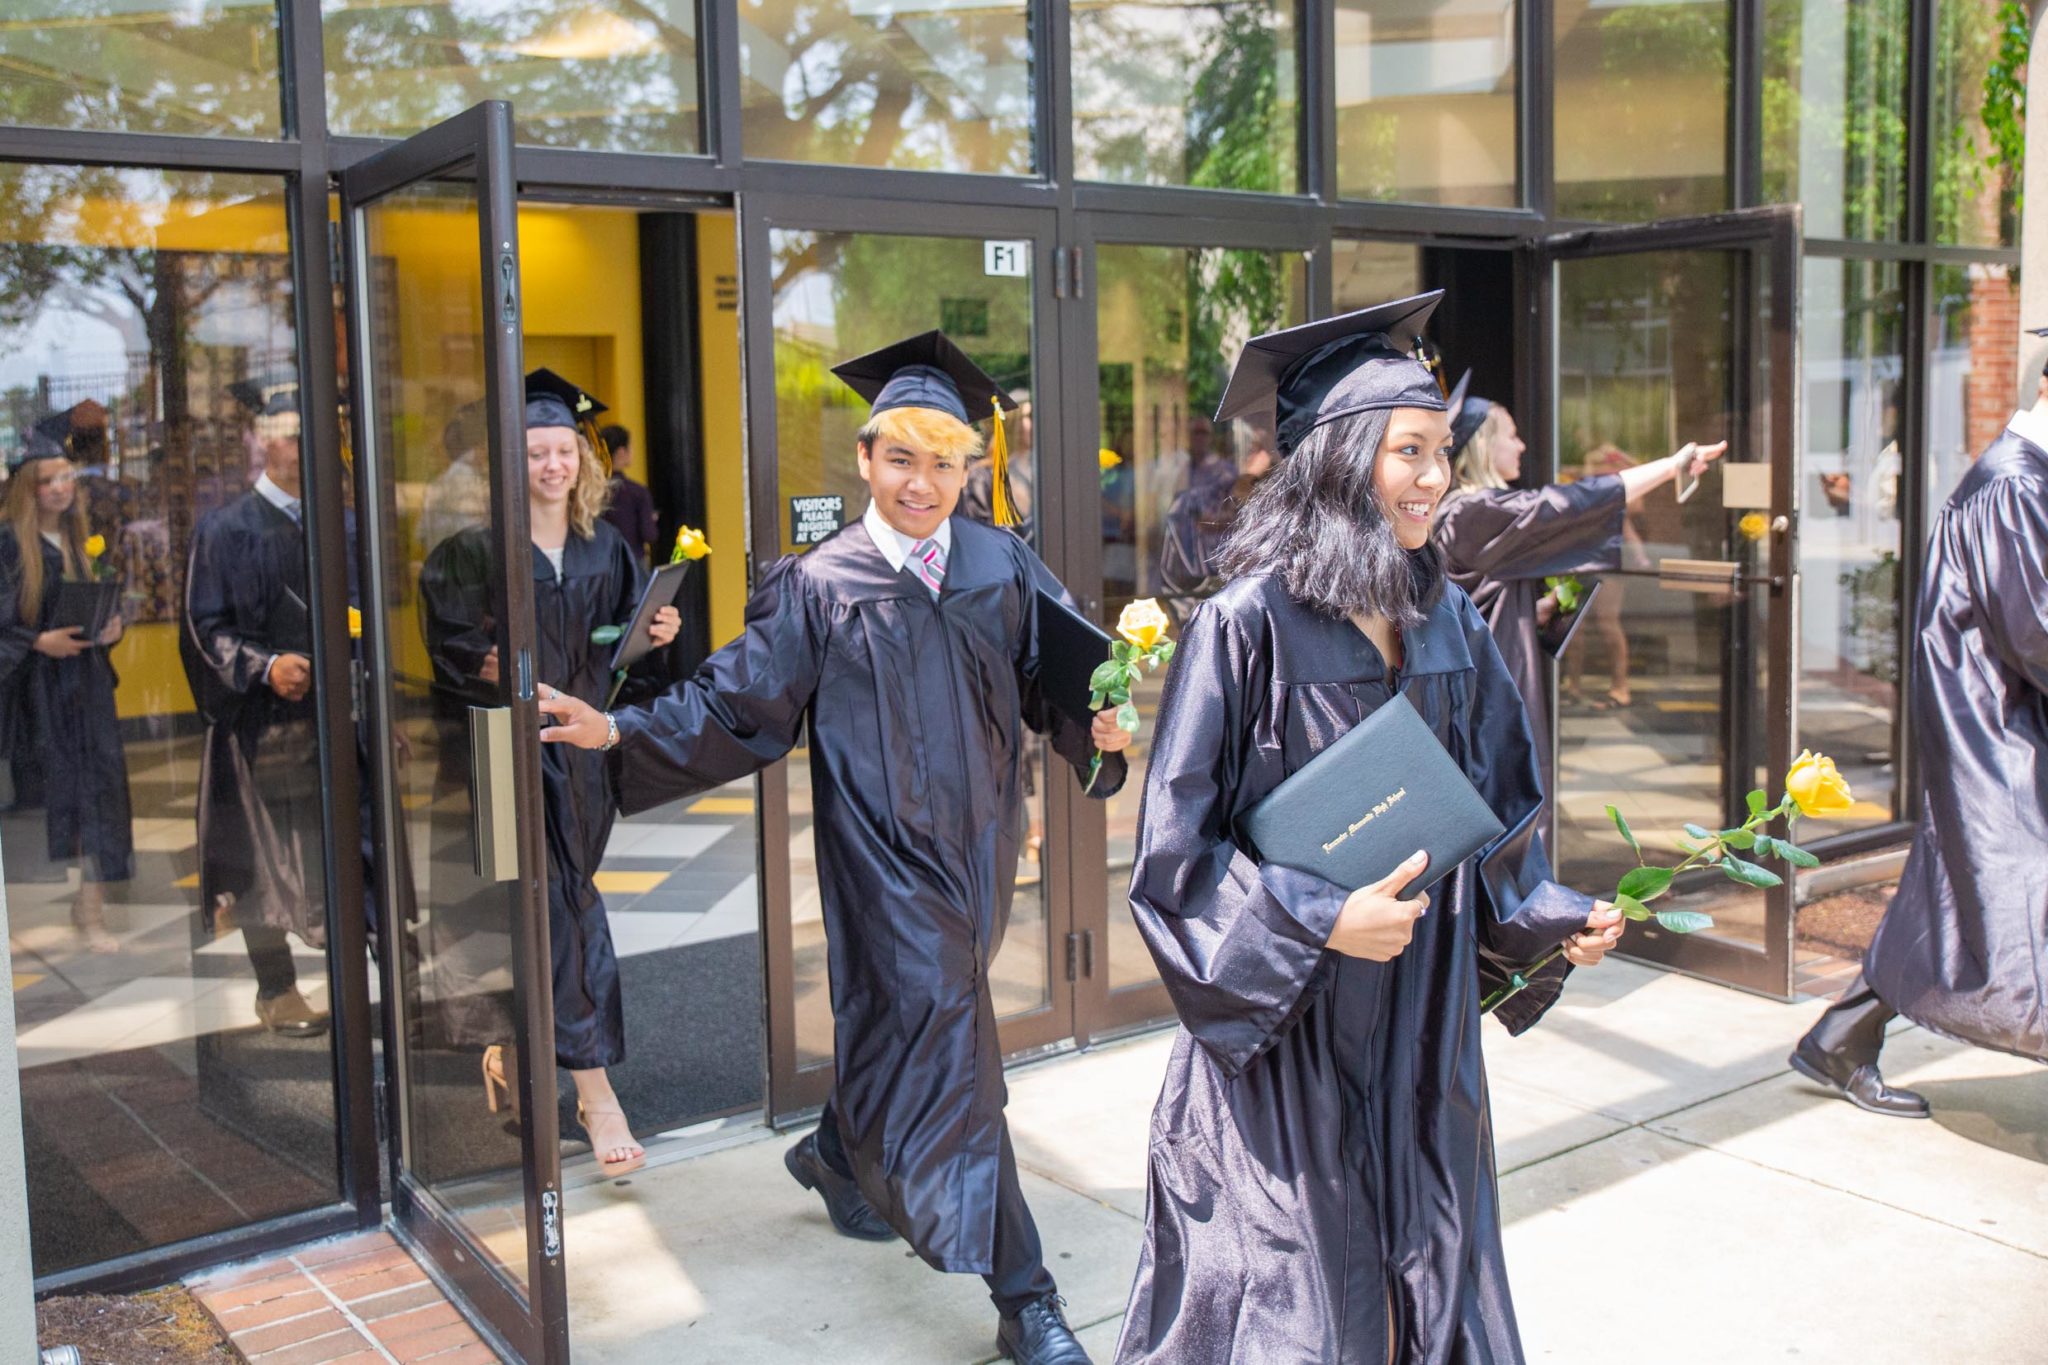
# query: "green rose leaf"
[[1698, 833], [1127, 718], [1795, 855], [1764, 846], [1684, 921], [606, 635], [1626, 832], [1738, 838], [1687, 846], [1107, 675], [1163, 650], [1758, 802], [1749, 874], [1630, 907], [1645, 883], [1123, 651], [1095, 700], [1119, 696]]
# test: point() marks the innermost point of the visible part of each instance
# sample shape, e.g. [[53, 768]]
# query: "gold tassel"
[[1005, 505], [593, 434]]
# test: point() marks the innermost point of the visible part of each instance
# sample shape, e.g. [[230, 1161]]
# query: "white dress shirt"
[[2030, 424], [894, 545]]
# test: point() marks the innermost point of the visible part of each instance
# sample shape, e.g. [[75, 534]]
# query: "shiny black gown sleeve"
[[739, 712], [455, 592], [1559, 528], [17, 634], [1239, 945], [2010, 579], [1522, 913], [233, 662], [1069, 739]]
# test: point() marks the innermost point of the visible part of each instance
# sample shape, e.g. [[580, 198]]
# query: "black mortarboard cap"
[[1468, 413], [2041, 332], [552, 401], [925, 371], [1321, 371]]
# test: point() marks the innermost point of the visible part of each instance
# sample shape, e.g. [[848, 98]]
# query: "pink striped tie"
[[928, 558]]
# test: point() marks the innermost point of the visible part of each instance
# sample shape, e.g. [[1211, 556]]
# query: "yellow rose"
[[1107, 459], [1815, 787], [690, 544], [1143, 623], [95, 546], [355, 624], [1752, 526]]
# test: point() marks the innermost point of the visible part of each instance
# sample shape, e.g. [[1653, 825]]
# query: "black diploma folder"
[[1070, 648], [636, 644], [1556, 636], [85, 604], [1358, 809]]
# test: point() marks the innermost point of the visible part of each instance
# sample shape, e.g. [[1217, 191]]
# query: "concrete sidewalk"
[[1671, 1191]]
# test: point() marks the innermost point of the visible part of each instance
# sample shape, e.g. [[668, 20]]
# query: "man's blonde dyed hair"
[[925, 429]]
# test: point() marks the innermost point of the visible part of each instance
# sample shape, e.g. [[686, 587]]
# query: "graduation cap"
[[929, 371], [1468, 413], [1338, 367], [552, 401], [2040, 332]]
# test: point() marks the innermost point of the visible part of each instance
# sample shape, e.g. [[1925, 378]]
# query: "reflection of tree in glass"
[[200, 67], [1839, 92], [824, 80], [1650, 55], [1175, 93]]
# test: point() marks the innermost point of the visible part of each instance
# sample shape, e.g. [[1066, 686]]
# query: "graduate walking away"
[[1322, 1182], [1500, 542], [1959, 950], [585, 577], [907, 644]]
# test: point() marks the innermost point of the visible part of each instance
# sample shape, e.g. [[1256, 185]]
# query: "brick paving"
[[354, 1299]]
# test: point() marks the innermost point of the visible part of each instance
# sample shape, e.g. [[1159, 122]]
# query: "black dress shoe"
[[1862, 1087], [851, 1213], [1039, 1335]]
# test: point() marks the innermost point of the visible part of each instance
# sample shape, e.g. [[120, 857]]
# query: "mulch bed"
[[162, 1327], [1842, 924]]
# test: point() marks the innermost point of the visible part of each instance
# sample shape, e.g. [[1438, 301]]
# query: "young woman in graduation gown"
[[1322, 1180], [1500, 542], [584, 576], [57, 689]]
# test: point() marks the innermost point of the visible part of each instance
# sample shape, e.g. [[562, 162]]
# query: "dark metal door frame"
[[1770, 240], [476, 147], [795, 1090]]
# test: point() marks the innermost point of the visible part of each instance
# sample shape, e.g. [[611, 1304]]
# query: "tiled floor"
[[356, 1299]]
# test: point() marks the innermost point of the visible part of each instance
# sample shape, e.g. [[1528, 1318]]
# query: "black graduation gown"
[[1960, 950], [60, 713], [1322, 1139], [916, 709], [260, 818], [601, 582], [1500, 544]]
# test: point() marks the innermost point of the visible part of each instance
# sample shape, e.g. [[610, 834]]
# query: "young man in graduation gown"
[[247, 651], [906, 643], [1959, 950]]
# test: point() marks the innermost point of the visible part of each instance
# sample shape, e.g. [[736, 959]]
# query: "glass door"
[[1161, 313], [1677, 696], [451, 731], [837, 279]]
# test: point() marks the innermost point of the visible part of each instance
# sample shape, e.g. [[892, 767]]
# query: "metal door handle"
[[493, 813]]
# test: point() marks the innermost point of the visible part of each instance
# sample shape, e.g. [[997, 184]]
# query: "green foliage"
[[1684, 921], [1749, 874], [1626, 833], [1630, 907], [1645, 883]]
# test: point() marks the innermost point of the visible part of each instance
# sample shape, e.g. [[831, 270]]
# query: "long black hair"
[[1316, 523]]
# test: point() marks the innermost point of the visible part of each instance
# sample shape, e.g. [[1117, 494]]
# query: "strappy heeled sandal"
[[624, 1166]]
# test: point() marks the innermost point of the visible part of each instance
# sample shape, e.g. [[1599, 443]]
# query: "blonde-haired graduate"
[[585, 578], [908, 641]]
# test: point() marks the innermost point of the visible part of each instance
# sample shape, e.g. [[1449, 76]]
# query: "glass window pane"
[[1373, 272], [162, 826], [931, 87], [1834, 126], [1170, 322], [1175, 92], [839, 295], [1979, 138], [1641, 108], [1426, 101], [196, 68], [1853, 320], [602, 75], [1972, 395]]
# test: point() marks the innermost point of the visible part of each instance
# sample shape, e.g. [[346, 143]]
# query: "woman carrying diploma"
[[584, 576], [1322, 1182]]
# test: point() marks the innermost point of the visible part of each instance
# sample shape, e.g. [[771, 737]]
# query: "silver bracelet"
[[611, 740]]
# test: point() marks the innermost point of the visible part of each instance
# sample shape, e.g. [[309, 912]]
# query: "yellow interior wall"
[[152, 679], [718, 379]]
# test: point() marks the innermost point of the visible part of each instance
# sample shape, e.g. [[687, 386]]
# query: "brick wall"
[[1994, 326]]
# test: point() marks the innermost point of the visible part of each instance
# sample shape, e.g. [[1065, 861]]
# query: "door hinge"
[[1088, 952], [1073, 956], [1059, 272]]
